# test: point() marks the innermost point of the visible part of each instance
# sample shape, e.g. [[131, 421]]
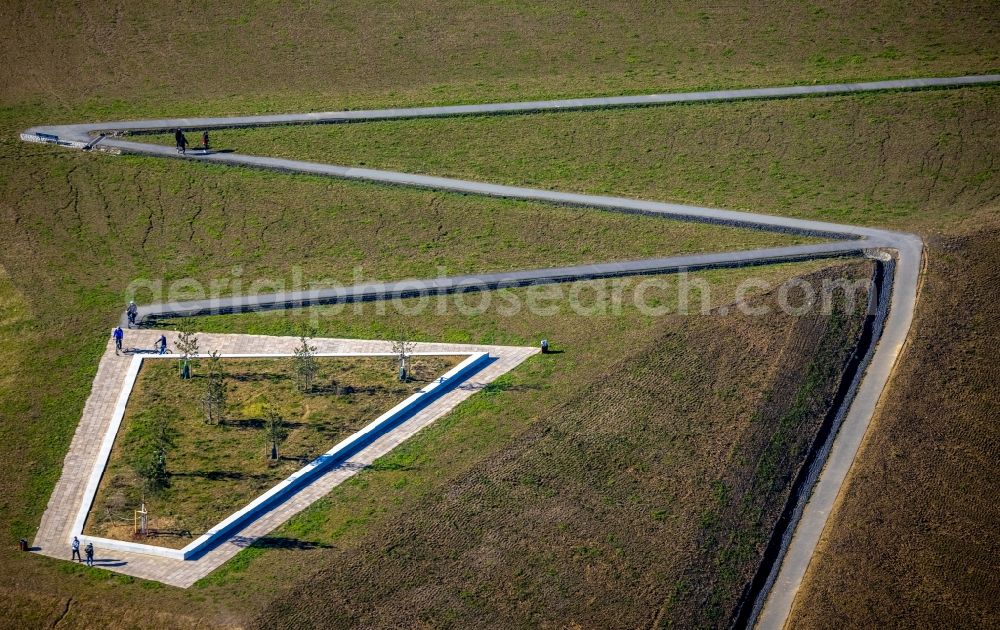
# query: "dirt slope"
[[645, 498], [914, 541]]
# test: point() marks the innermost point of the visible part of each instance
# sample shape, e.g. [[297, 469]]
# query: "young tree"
[[152, 468], [275, 430], [306, 367], [187, 347], [151, 436], [214, 400], [402, 347]]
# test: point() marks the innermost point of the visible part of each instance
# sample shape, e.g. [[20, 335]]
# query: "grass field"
[[76, 229], [927, 157], [215, 469], [260, 56], [113, 219], [15, 320], [355, 513]]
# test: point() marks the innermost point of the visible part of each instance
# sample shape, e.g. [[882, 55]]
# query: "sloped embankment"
[[646, 498], [914, 542]]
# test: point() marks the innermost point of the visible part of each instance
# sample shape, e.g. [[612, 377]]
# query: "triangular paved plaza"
[[59, 523]]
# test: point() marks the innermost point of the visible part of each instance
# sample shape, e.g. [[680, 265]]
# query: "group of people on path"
[[88, 550], [182, 142], [119, 335]]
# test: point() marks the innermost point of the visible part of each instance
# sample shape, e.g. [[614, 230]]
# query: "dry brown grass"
[[24, 608], [913, 542]]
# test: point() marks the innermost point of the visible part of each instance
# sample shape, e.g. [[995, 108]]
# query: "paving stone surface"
[[55, 530]]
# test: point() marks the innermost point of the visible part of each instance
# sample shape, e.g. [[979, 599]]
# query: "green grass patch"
[[213, 469], [923, 153]]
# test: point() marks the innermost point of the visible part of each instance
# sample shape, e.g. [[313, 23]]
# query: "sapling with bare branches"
[[402, 347], [306, 367], [214, 400], [275, 430], [187, 347]]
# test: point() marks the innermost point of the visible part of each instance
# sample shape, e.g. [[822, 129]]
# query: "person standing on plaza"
[[75, 545]]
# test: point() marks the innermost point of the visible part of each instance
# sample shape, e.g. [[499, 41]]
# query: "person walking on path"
[[89, 551], [76, 549], [181, 141], [119, 335], [204, 140], [132, 312], [161, 344]]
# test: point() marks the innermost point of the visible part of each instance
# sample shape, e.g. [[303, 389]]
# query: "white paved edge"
[[450, 379], [906, 247], [107, 442]]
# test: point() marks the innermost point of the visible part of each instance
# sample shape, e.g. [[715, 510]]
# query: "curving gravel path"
[[906, 249]]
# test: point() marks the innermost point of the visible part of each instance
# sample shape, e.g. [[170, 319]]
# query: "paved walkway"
[[906, 248], [148, 313], [55, 530], [81, 132]]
